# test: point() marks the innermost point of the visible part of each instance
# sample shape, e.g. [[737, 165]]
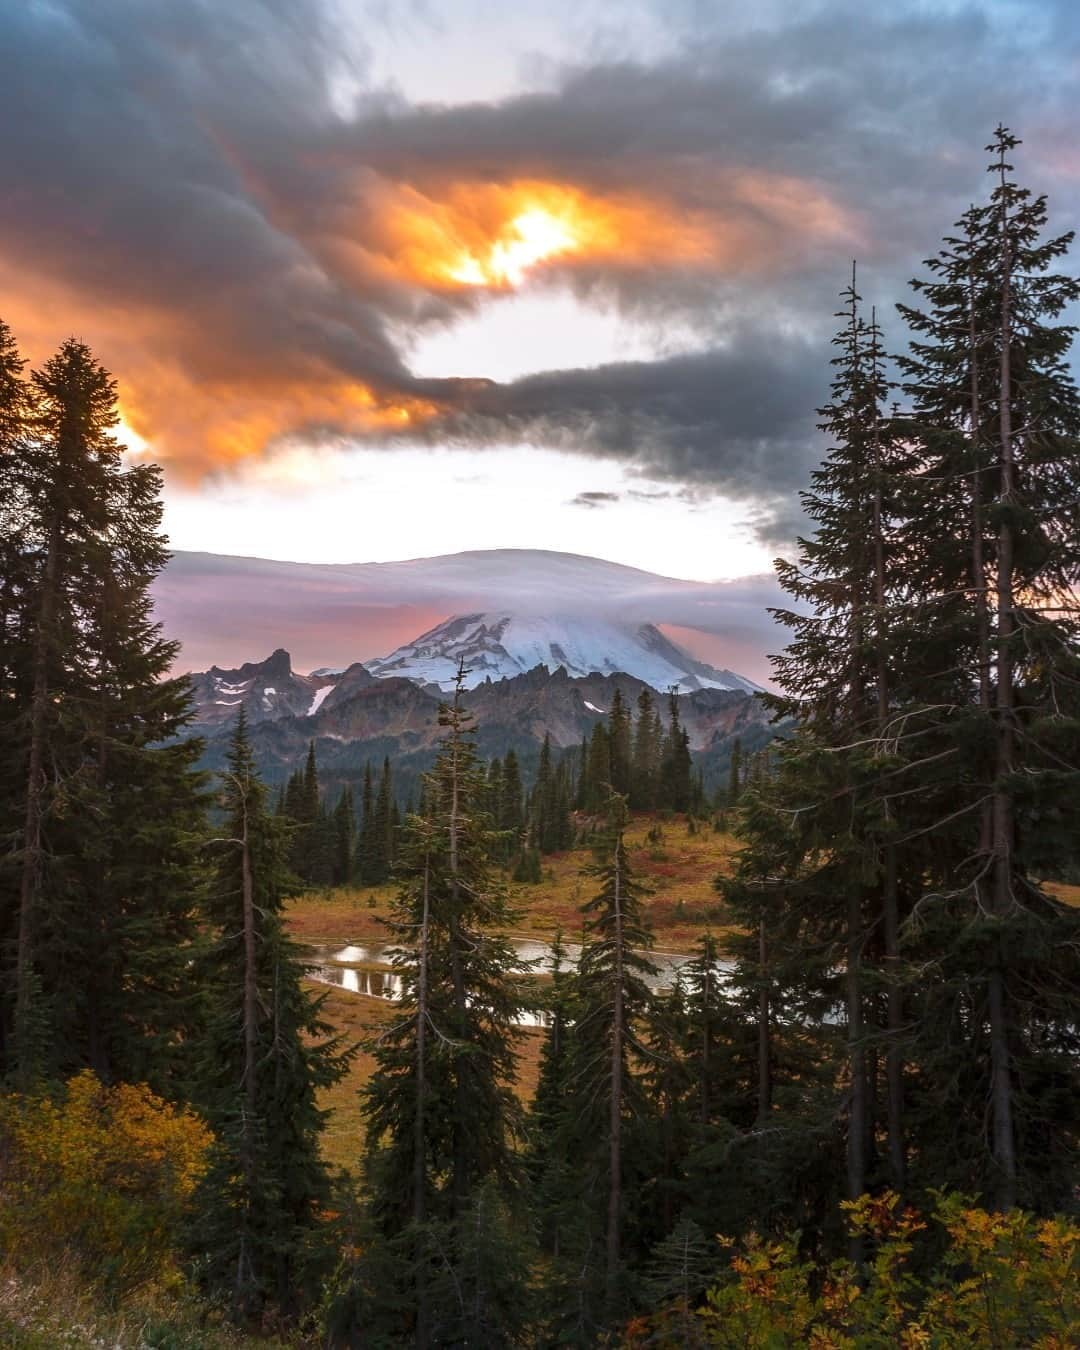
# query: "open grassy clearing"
[[679, 864]]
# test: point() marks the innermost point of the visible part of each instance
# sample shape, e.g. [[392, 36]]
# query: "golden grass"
[[679, 869], [345, 914], [357, 1018], [1070, 895]]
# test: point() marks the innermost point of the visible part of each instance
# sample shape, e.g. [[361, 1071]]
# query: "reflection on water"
[[358, 980], [351, 968]]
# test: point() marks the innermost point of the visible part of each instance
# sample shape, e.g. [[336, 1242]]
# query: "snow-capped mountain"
[[501, 645], [330, 614]]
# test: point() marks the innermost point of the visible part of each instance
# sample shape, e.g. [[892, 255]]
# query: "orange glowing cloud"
[[207, 385], [200, 429], [493, 236]]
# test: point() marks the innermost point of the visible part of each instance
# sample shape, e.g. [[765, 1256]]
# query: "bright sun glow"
[[130, 439], [533, 236]]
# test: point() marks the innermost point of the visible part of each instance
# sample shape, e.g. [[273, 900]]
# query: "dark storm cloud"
[[739, 417], [119, 117], [594, 499], [181, 179]]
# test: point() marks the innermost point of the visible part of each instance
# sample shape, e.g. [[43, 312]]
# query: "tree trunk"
[[250, 992], [978, 560], [460, 1178], [615, 1114], [706, 1039], [419, 1196], [30, 881], [856, 1136], [247, 1121], [890, 901], [764, 1106], [1003, 823]]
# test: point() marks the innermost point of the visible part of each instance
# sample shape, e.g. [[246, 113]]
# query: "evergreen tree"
[[997, 419], [98, 883], [667, 1083], [550, 1169], [679, 1271], [259, 1203], [620, 743], [598, 773], [344, 827], [313, 850], [735, 775], [542, 822], [836, 679], [442, 1118], [292, 805], [527, 870], [493, 805], [512, 817], [549, 813], [581, 787], [383, 839], [366, 860], [675, 789], [646, 757], [605, 1099]]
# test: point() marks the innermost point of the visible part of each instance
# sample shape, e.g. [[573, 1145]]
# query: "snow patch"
[[593, 708], [224, 703], [223, 687], [320, 695]]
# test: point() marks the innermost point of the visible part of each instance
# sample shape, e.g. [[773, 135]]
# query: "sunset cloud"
[[252, 253]]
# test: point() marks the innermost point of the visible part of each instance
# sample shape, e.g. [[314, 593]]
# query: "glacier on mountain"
[[500, 645]]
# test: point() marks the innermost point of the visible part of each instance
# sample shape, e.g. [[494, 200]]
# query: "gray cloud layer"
[[181, 174]]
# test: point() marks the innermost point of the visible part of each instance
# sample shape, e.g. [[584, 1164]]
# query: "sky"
[[397, 278]]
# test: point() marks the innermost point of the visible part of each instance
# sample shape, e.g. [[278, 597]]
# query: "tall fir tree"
[[366, 862], [606, 1105], [512, 817], [646, 755], [620, 740], [442, 1118], [259, 1205], [98, 886], [997, 419]]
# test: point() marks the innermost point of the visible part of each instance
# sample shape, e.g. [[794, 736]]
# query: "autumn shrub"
[[99, 1175], [1003, 1281]]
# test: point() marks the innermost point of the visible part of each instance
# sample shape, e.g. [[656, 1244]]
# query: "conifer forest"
[[852, 1118]]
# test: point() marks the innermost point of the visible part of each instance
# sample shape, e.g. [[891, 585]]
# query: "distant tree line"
[[650, 764]]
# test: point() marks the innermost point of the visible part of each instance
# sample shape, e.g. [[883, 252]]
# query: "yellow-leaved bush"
[[99, 1174], [1002, 1280]]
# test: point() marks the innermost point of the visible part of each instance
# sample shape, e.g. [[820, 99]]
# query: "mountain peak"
[[278, 664], [503, 644]]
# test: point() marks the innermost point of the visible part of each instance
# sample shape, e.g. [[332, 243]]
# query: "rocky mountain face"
[[355, 717], [271, 689], [265, 689]]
